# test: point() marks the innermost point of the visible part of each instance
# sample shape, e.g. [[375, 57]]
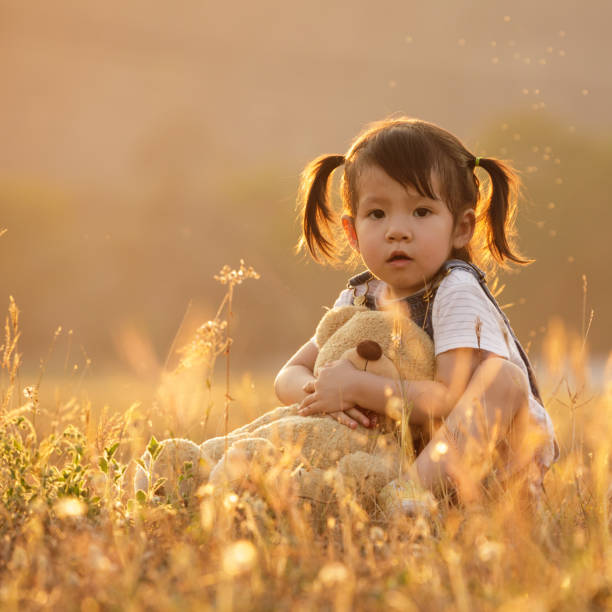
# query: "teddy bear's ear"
[[333, 320]]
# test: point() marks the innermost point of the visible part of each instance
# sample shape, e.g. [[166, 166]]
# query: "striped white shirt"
[[464, 317]]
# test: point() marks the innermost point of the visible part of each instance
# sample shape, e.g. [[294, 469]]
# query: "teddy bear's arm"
[[297, 372]]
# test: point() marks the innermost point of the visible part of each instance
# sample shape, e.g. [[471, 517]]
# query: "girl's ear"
[[464, 228], [348, 225]]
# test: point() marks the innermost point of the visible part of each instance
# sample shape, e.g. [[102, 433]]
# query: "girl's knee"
[[504, 379]]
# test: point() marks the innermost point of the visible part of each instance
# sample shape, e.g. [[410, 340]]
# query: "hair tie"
[[477, 162]]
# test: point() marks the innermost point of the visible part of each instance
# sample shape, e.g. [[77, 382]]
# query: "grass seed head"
[[239, 558], [232, 277]]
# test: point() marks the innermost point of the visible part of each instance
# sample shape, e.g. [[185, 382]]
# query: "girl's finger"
[[306, 406], [344, 419], [309, 387], [358, 416], [311, 397]]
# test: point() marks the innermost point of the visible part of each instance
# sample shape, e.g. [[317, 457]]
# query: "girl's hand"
[[352, 418], [331, 391]]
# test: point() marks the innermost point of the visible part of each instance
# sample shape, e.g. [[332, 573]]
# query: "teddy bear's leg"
[[180, 463], [317, 492], [315, 485], [288, 434], [268, 417], [365, 475], [249, 463], [387, 447], [317, 442], [404, 497], [215, 447]]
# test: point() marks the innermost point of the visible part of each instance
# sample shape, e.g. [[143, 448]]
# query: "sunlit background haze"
[[146, 144]]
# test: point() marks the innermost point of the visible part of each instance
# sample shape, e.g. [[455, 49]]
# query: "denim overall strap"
[[366, 299], [458, 264], [419, 304]]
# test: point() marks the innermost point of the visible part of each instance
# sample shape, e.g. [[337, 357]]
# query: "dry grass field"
[[74, 536], [144, 144]]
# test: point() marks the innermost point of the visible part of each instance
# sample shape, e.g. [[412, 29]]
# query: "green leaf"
[[119, 473], [141, 497], [154, 447], [103, 465], [187, 471], [109, 452], [158, 484]]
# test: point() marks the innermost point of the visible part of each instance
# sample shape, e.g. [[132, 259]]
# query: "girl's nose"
[[399, 231]]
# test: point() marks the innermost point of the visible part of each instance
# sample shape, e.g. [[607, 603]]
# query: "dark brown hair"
[[412, 152]]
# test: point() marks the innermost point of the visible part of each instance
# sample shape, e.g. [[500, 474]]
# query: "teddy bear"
[[317, 452]]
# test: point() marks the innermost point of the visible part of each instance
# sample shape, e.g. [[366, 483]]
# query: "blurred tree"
[[563, 222]]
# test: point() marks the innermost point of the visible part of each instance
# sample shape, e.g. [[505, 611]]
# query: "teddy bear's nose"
[[370, 350]]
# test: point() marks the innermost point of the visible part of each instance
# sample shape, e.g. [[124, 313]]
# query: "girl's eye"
[[376, 213], [421, 212]]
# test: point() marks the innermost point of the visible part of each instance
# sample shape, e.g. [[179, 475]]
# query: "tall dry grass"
[[73, 536]]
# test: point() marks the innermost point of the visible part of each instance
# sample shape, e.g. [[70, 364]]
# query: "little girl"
[[414, 212]]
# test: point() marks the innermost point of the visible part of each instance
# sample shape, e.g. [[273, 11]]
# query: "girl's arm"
[[290, 381], [295, 379], [342, 386]]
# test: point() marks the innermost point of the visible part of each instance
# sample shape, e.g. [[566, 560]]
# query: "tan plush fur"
[[170, 463], [404, 343], [320, 455]]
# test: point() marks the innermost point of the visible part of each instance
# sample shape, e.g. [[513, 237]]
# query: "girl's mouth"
[[398, 256]]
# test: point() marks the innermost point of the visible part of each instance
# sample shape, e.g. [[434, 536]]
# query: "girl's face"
[[402, 236]]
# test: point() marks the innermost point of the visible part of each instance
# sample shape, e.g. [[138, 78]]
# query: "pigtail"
[[317, 214], [499, 211]]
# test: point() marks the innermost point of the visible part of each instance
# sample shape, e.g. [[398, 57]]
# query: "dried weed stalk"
[[214, 337]]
